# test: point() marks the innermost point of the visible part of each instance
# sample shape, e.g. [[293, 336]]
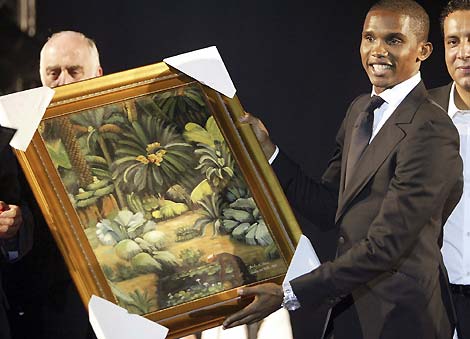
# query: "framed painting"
[[158, 198]]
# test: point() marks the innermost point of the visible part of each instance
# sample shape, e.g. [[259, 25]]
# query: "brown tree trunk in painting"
[[109, 205], [109, 161], [89, 216], [104, 208], [66, 133]]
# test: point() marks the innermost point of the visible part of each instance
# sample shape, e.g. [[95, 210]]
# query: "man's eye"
[[75, 72], [368, 38], [452, 42], [394, 41]]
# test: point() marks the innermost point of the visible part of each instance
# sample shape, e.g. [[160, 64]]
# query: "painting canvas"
[[160, 203]]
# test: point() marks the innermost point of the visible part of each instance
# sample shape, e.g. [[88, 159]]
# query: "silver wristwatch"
[[290, 301]]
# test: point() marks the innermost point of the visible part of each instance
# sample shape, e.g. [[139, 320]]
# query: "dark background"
[[295, 63]]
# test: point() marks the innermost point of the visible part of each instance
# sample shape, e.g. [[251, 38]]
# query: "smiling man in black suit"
[[392, 182]]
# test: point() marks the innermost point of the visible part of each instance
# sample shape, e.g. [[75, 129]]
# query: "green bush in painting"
[[179, 106], [212, 214], [244, 222], [140, 302], [185, 233], [215, 159], [126, 225], [191, 257], [152, 157], [133, 236]]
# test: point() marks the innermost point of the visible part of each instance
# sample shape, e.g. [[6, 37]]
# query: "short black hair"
[[451, 7], [410, 8]]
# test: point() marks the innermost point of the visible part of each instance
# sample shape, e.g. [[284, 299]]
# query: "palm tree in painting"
[[101, 127], [66, 133], [178, 106], [151, 157]]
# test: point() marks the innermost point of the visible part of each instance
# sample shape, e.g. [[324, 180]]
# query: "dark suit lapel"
[[441, 96], [358, 106], [380, 148]]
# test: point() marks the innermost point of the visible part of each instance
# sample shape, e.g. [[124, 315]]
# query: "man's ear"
[[425, 50], [99, 72]]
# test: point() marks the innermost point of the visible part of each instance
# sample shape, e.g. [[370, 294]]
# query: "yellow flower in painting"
[[152, 157], [157, 158], [151, 147], [142, 159]]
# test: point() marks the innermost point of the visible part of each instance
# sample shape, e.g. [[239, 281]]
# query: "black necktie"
[[361, 134]]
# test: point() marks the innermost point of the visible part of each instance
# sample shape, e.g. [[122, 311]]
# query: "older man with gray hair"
[[49, 305]]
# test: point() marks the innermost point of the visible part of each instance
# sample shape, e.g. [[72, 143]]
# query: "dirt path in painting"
[[208, 244]]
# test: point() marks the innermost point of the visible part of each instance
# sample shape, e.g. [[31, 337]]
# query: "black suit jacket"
[[385, 281], [441, 95], [11, 192]]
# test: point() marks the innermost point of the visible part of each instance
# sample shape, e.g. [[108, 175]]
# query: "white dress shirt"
[[393, 97], [456, 247]]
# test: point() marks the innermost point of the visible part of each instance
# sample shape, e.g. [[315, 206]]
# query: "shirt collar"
[[395, 95], [453, 109]]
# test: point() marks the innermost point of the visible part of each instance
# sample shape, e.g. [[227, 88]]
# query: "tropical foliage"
[[151, 157], [142, 302], [216, 163], [243, 221], [126, 225], [135, 239], [100, 128], [215, 159], [152, 175], [212, 214], [179, 106]]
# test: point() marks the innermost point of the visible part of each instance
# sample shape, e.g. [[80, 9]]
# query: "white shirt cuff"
[[273, 157]]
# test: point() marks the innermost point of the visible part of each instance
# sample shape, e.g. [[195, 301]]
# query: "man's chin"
[[381, 85], [464, 84]]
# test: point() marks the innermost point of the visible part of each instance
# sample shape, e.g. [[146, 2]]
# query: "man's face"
[[66, 59], [457, 48], [390, 50]]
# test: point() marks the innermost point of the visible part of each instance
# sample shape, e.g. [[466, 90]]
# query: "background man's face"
[[389, 49], [66, 59], [457, 48]]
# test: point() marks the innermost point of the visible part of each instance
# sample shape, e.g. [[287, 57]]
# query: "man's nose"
[[464, 50], [64, 78], [379, 49]]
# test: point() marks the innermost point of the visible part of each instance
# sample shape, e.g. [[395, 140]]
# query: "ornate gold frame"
[[64, 222]]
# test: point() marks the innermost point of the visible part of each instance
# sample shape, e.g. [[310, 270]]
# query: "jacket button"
[[332, 301], [341, 240]]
